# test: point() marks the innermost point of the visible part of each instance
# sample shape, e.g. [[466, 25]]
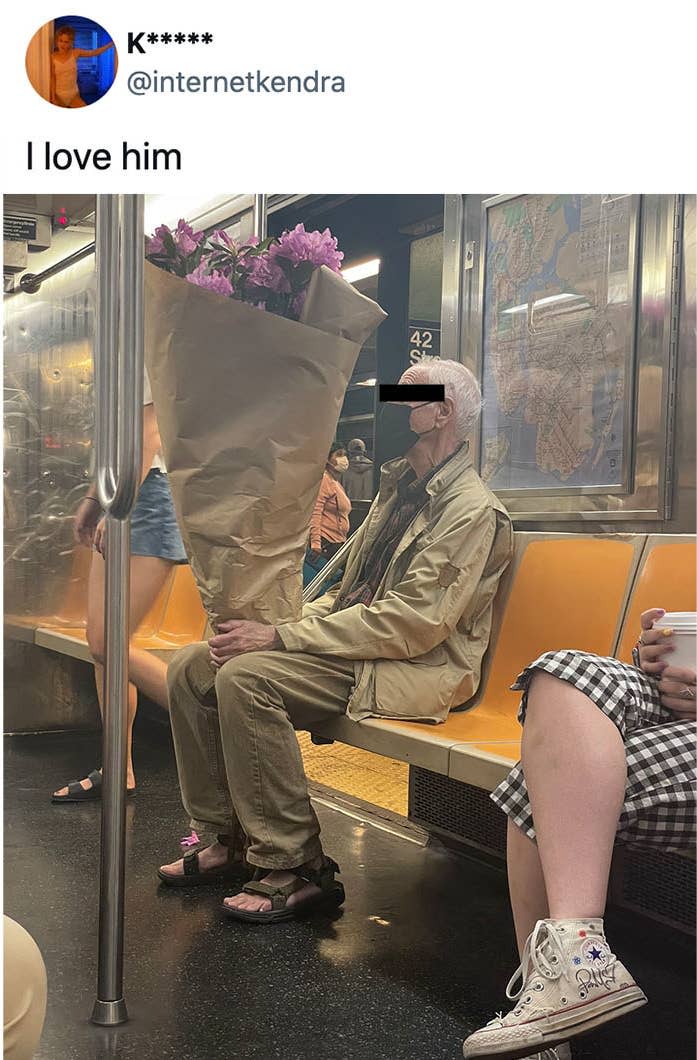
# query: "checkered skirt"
[[659, 807]]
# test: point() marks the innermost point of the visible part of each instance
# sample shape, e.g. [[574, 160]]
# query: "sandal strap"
[[278, 895], [192, 867], [322, 878], [237, 845], [75, 787], [190, 864], [96, 778]]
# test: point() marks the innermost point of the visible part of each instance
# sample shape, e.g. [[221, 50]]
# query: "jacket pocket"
[[411, 690]]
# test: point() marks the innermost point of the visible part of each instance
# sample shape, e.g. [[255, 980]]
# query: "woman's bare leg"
[[575, 770], [526, 883], [148, 577], [130, 718]]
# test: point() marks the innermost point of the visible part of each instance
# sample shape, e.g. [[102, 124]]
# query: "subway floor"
[[417, 959]]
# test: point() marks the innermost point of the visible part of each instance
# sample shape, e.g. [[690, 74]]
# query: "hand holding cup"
[[677, 688], [654, 645]]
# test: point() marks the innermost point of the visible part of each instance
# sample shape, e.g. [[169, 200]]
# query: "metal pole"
[[119, 382], [259, 217]]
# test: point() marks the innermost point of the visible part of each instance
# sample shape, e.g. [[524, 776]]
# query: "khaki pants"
[[240, 767], [25, 993]]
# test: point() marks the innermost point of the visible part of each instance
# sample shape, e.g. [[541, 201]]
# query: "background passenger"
[[329, 524], [156, 546], [608, 754], [358, 480], [24, 983]]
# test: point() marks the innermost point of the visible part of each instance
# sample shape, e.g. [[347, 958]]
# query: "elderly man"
[[401, 636]]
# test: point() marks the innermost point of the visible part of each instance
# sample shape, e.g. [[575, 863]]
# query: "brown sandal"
[[235, 870], [331, 894]]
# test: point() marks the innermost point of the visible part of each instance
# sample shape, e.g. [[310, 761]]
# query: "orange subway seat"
[[565, 593], [666, 579], [184, 619]]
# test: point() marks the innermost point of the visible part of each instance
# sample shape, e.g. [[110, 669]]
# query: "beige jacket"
[[419, 645]]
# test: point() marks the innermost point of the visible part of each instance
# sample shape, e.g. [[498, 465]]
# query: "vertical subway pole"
[[118, 444], [260, 217]]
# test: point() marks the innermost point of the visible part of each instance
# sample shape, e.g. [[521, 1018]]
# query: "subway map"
[[558, 337]]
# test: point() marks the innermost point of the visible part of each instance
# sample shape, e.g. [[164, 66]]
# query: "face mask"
[[396, 435], [341, 463]]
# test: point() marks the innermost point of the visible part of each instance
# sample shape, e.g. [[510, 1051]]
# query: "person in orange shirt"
[[329, 524]]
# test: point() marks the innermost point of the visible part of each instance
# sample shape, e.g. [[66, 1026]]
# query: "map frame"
[[623, 484]]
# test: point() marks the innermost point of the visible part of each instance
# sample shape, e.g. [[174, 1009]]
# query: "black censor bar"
[[411, 392]]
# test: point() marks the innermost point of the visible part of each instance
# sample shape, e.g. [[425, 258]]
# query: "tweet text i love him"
[[51, 157]]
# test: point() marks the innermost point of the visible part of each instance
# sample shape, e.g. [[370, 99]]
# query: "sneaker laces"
[[536, 959]]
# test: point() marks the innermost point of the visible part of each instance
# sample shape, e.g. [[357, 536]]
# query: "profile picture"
[[71, 62]]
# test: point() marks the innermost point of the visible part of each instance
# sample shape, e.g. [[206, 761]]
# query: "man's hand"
[[677, 688], [238, 636], [654, 643]]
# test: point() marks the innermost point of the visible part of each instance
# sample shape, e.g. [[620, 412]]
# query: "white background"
[[441, 97]]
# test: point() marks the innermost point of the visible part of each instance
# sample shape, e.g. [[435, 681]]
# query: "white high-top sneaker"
[[571, 982], [559, 1052]]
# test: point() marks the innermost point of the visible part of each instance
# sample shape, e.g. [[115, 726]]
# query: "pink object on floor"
[[189, 840]]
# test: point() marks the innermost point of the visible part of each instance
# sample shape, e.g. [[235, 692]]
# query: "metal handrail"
[[260, 216], [313, 589], [118, 379], [119, 385], [30, 282]]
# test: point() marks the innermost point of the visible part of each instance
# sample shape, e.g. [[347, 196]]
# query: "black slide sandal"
[[76, 792]]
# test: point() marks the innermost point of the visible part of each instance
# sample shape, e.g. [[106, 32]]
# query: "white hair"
[[460, 386]]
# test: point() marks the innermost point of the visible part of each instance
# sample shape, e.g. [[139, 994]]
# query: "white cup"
[[684, 638]]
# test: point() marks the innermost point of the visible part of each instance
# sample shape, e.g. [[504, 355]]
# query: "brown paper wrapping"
[[247, 405]]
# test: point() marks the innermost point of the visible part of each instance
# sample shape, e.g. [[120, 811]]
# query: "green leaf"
[[169, 244], [301, 275], [261, 248]]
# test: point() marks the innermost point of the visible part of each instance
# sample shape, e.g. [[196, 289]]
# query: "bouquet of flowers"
[[272, 275], [247, 402]]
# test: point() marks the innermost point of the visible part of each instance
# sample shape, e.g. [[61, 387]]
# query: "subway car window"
[[407, 687]]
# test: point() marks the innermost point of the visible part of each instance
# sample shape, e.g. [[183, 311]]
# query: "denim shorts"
[[154, 530]]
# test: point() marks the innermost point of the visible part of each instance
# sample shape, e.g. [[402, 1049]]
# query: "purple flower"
[[222, 238], [319, 248], [262, 272], [186, 240], [211, 281], [155, 244]]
